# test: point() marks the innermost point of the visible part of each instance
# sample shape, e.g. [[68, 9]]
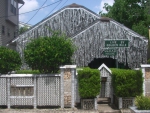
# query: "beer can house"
[[97, 39]]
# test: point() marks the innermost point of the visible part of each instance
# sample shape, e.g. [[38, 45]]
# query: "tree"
[[23, 29], [134, 14], [9, 60], [46, 54]]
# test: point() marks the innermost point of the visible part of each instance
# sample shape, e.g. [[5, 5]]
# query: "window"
[[21, 91], [13, 6], [3, 29]]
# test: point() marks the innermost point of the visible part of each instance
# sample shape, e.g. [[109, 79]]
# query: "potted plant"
[[89, 87], [142, 105]]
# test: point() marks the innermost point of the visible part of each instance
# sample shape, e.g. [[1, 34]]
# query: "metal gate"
[[102, 90]]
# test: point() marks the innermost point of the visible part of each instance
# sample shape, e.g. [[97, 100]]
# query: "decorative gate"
[[106, 87]]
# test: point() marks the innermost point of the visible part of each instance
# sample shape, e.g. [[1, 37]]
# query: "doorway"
[[109, 62]]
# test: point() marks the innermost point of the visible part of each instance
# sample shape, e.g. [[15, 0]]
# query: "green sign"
[[110, 52], [116, 43]]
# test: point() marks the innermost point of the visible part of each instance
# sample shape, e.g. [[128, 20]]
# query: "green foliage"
[[27, 72], [142, 103], [148, 61], [89, 82], [23, 29], [132, 13], [9, 60], [127, 83], [46, 54]]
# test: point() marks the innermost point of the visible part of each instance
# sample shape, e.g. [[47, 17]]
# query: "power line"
[[64, 3], [54, 8], [32, 10], [36, 12]]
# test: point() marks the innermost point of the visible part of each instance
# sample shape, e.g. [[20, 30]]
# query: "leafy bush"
[[27, 72], [148, 61], [127, 83], [89, 82], [9, 60], [142, 102], [46, 54]]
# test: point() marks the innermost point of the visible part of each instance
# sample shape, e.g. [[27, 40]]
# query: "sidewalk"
[[105, 108], [102, 108]]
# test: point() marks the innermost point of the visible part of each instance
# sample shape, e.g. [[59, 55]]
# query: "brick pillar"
[[68, 86]]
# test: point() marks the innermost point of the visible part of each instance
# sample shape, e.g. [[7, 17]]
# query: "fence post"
[[95, 103], [8, 92], [73, 73], [35, 88], [62, 87], [120, 102], [143, 72]]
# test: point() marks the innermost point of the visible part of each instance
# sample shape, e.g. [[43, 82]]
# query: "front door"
[[103, 87]]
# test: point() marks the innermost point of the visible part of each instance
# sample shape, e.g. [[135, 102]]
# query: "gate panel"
[[20, 88], [102, 92], [48, 91], [3, 94]]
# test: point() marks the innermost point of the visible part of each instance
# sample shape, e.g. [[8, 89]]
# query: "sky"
[[52, 6]]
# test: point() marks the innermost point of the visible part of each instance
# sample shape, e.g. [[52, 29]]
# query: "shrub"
[[27, 72], [142, 102], [89, 82], [148, 61], [9, 60], [46, 54], [127, 83]]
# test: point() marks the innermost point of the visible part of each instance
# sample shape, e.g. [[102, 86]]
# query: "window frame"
[[13, 7], [3, 29], [22, 90]]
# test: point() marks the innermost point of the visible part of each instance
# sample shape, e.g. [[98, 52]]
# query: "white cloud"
[[100, 7], [28, 6], [22, 18]]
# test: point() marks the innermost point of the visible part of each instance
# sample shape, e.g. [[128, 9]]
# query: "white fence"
[[40, 90]]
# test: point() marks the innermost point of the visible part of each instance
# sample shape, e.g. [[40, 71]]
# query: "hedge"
[[27, 72], [9, 60], [89, 82], [127, 83]]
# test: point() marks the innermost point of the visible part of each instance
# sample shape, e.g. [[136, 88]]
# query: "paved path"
[[45, 111], [102, 108]]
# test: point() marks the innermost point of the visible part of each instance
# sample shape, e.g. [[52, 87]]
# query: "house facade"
[[9, 19], [89, 31]]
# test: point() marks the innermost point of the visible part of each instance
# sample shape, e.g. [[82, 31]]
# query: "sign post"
[[115, 44], [110, 52]]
